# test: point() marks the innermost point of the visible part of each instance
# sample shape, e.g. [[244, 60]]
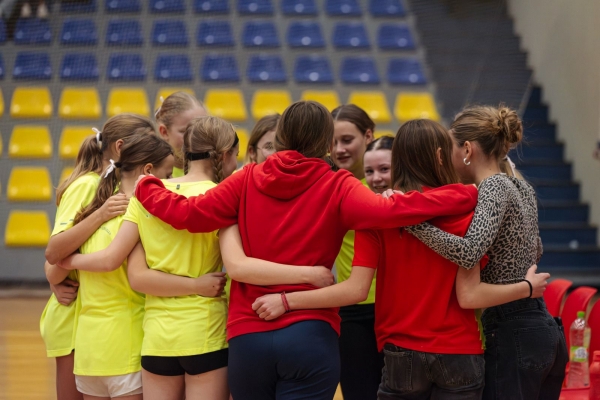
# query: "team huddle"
[[424, 229]]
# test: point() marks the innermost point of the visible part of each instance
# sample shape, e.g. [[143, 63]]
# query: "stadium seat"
[[27, 228], [29, 65], [1, 109], [173, 67], [593, 321], [328, 98], [359, 70], [267, 102], [374, 103], [405, 71], [126, 67], [30, 141], [2, 31], [243, 137], [299, 7], [395, 37], [350, 35], [386, 8], [214, 33], [260, 34], [32, 31], [123, 6], [79, 103], [384, 132], [226, 103], [212, 6], [124, 32], [266, 68], [577, 300], [415, 105], [554, 295], [71, 139], [29, 184], [343, 8], [1, 67], [305, 34], [167, 6], [254, 7], [66, 172], [169, 33], [220, 68], [167, 91], [79, 66], [79, 32], [313, 69], [132, 100], [88, 6], [31, 102]]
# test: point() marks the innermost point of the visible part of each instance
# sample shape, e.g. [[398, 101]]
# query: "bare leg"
[[158, 387], [208, 386], [132, 397], [66, 389], [88, 397]]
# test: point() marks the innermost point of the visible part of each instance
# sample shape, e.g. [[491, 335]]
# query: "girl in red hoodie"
[[292, 209]]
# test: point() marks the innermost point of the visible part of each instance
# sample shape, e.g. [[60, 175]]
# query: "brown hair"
[[354, 115], [137, 150], [209, 135], [89, 157], [174, 104], [414, 156], [264, 125], [306, 127], [382, 143], [496, 130]]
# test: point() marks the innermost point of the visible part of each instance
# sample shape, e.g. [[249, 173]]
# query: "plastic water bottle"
[[595, 377], [579, 336]]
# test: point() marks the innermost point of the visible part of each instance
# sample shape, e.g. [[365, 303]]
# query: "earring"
[[466, 162]]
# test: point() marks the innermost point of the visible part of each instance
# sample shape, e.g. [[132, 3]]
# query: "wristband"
[[285, 302], [530, 288]]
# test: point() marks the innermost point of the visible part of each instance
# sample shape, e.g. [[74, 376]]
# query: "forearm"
[[67, 242], [162, 284], [485, 295], [54, 273], [101, 261]]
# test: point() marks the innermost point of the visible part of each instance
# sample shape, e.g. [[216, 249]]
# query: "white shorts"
[[110, 386]]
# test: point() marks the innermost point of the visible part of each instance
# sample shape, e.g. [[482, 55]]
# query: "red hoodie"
[[294, 210]]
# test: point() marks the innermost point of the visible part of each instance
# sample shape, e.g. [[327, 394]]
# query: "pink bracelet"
[[285, 302]]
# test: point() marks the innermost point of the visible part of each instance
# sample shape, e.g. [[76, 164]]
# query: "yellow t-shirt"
[[57, 322], [109, 329], [185, 325], [343, 262], [178, 172]]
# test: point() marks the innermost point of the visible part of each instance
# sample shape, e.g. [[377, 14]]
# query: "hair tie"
[[98, 137], [197, 156], [118, 164], [236, 140], [512, 165], [162, 100], [110, 168]]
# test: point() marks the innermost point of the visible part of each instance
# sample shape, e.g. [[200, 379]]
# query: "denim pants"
[[415, 375], [526, 353]]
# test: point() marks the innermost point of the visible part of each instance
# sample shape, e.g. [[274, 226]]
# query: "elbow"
[[51, 255], [466, 300], [360, 294], [234, 272]]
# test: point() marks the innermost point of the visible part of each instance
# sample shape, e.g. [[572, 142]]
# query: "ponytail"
[[109, 181]]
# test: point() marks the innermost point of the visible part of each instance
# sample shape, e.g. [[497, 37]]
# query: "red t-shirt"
[[415, 299]]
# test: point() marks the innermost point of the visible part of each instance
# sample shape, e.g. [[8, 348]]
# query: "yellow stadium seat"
[[415, 105], [66, 172], [243, 136], [1, 145], [127, 100], [79, 103], [328, 98], [27, 228], [1, 104], [166, 92], [374, 103], [31, 102], [267, 102], [29, 184], [384, 132], [30, 141], [71, 139], [226, 103]]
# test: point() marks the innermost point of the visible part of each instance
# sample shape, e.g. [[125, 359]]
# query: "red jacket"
[[294, 210]]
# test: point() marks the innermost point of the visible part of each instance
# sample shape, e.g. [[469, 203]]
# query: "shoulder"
[[455, 224], [89, 180]]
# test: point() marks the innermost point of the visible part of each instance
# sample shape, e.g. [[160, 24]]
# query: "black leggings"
[[360, 360]]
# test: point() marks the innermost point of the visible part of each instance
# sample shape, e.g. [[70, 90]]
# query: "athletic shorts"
[[110, 386], [191, 365]]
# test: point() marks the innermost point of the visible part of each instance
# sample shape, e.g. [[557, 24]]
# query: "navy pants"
[[301, 361]]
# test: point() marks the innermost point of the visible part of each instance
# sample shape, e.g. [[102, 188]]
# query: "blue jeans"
[[526, 353], [415, 375]]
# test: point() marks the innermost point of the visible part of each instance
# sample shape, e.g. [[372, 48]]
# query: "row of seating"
[[84, 103]]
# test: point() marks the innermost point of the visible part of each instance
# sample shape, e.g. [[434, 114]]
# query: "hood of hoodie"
[[287, 174]]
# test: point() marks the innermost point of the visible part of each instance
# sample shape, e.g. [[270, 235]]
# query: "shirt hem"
[[182, 353], [59, 352], [107, 373]]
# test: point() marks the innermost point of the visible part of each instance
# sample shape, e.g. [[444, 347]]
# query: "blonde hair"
[[173, 105]]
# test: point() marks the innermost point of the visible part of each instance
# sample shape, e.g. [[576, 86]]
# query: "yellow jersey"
[[177, 172], [183, 325]]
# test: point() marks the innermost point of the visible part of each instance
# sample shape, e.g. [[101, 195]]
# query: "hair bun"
[[509, 125]]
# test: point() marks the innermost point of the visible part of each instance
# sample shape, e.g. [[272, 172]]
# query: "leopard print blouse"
[[504, 226]]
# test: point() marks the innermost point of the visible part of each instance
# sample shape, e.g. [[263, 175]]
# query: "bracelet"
[[530, 288], [285, 302]]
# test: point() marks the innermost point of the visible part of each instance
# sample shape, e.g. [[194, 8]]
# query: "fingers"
[[217, 274], [70, 282]]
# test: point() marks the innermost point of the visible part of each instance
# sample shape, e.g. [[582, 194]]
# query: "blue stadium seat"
[[260, 34], [214, 33], [266, 68], [79, 66], [1, 76], [394, 37], [124, 32], [343, 8], [305, 34], [79, 32], [29, 65], [212, 6], [264, 7], [350, 35], [167, 6], [313, 69], [170, 67], [123, 6], [88, 6], [386, 8], [299, 7], [359, 70], [169, 33], [126, 67], [2, 31], [32, 31], [220, 68], [406, 71]]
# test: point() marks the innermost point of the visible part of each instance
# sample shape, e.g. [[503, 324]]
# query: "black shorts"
[[191, 365]]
